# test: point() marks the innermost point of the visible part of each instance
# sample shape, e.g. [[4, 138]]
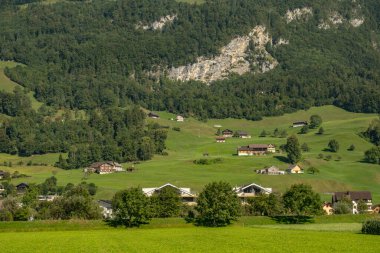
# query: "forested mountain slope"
[[100, 54]]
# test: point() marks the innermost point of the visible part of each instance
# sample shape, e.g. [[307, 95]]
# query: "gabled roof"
[[292, 166], [353, 195], [22, 185], [227, 131], [183, 191], [242, 133], [105, 203], [300, 122], [152, 114], [273, 168], [242, 188], [98, 164], [255, 146]]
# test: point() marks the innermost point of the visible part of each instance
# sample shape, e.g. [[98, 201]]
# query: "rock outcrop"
[[298, 14], [159, 24], [241, 55]]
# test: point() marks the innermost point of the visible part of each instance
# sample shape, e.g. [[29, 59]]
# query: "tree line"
[[103, 134]]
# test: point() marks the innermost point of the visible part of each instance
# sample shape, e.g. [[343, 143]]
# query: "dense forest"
[[87, 55], [91, 56]]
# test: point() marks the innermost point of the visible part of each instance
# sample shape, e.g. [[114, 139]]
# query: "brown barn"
[[256, 149]]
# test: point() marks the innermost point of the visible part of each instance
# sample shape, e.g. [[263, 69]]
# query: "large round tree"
[[300, 199], [217, 205], [130, 208], [293, 149]]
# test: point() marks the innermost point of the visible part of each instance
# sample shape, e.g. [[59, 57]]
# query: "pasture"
[[190, 239], [345, 170]]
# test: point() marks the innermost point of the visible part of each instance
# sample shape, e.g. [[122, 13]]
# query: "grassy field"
[[7, 85], [189, 239], [196, 138]]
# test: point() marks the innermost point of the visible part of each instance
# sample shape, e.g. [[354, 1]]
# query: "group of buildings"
[[248, 191], [227, 133], [273, 170], [178, 118], [189, 198]]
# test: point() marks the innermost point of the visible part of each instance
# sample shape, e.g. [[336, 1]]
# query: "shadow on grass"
[[293, 219], [281, 158]]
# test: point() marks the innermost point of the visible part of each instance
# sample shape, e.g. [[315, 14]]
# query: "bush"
[[176, 129], [203, 161], [371, 227]]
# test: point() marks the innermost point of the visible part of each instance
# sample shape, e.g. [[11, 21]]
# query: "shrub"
[[204, 161], [333, 145], [371, 227], [176, 129]]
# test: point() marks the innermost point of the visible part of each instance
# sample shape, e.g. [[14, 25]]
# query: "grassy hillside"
[[197, 138], [8, 85]]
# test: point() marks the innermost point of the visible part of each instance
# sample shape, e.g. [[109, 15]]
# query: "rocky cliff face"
[[298, 14], [241, 55], [159, 24]]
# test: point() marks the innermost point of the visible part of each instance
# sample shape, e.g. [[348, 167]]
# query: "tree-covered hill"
[[91, 54]]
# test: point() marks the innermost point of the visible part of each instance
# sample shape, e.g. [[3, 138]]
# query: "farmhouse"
[[220, 139], [153, 115], [21, 188], [106, 207], [355, 197], [256, 149], [243, 135], [273, 170], [180, 118], [250, 191], [300, 123], [2, 173], [227, 133], [105, 167], [294, 169], [185, 193]]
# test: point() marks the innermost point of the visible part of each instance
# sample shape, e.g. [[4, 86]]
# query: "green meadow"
[[345, 170], [8, 85], [96, 236]]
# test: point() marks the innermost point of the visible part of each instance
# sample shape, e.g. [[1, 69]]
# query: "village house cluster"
[[178, 118], [227, 133], [273, 170]]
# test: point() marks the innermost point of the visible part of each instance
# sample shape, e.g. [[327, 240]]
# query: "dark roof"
[[220, 138], [242, 133], [152, 114], [105, 203], [259, 145], [300, 122], [353, 195], [253, 147], [2, 173], [227, 131], [98, 164], [22, 185]]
